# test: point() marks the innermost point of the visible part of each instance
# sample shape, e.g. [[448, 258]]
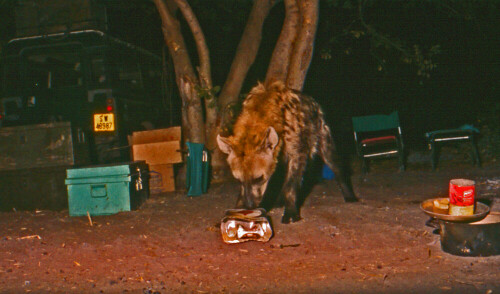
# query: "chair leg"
[[402, 165], [365, 166], [476, 158], [434, 155]]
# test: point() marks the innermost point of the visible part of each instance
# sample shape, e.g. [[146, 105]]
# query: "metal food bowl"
[[466, 235], [480, 212]]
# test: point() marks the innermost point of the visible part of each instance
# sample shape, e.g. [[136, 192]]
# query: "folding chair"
[[465, 133], [378, 136]]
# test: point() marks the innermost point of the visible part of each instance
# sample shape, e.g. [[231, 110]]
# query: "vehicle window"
[[151, 76], [98, 74], [11, 79], [50, 68], [129, 75]]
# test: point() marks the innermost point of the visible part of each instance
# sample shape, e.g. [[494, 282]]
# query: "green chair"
[[463, 134], [198, 167], [378, 136]]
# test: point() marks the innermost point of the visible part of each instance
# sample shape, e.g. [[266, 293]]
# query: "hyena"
[[277, 123]]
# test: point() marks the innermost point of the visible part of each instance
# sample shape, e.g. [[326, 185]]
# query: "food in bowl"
[[441, 205]]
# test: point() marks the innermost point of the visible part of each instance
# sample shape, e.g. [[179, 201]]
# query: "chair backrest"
[[378, 122]]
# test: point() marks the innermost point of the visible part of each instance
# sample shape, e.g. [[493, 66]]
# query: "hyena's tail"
[[330, 156]]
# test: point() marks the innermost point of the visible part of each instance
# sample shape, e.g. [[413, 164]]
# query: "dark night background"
[[353, 74]]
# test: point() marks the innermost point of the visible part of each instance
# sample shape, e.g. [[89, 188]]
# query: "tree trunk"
[[293, 52], [204, 75], [245, 53], [204, 71], [193, 125], [279, 64], [304, 44]]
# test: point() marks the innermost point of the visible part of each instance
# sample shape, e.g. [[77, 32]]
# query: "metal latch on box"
[[138, 181]]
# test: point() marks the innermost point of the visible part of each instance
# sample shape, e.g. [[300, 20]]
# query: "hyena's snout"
[[251, 195], [252, 163]]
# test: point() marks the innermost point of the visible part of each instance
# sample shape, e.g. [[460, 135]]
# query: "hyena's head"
[[252, 161]]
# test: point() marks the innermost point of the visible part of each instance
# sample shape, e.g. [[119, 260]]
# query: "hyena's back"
[[277, 122], [297, 119]]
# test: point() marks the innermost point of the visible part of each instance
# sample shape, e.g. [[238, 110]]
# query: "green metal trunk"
[[107, 189]]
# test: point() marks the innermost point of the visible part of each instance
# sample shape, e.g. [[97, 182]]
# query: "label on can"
[[462, 192], [461, 210]]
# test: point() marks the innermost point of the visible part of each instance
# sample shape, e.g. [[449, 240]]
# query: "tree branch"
[[304, 44], [186, 78], [201, 45], [246, 52], [375, 34], [278, 66]]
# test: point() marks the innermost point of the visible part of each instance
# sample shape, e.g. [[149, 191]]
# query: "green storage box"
[[107, 189]]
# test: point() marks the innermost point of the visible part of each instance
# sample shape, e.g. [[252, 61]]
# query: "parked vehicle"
[[75, 81], [105, 87]]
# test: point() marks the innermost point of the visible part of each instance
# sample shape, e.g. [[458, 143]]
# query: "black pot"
[[481, 238]]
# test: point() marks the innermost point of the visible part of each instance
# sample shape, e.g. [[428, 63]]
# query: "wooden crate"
[[160, 149]]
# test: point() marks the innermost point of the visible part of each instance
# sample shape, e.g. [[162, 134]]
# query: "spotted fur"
[[279, 123]]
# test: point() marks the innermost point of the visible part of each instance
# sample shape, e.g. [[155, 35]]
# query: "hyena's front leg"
[[295, 171]]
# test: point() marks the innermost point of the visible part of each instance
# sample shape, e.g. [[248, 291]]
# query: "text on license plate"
[[104, 122]]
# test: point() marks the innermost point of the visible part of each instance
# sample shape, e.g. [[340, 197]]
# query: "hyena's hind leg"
[[328, 153]]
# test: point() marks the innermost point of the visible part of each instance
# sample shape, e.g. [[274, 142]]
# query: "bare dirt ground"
[[172, 243]]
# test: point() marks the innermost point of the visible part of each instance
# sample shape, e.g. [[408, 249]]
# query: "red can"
[[462, 192]]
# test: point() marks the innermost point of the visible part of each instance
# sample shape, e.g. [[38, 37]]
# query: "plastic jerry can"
[[241, 225]]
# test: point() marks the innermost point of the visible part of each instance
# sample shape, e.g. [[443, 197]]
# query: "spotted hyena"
[[277, 123]]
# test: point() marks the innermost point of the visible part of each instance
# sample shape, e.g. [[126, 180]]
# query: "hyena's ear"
[[271, 139], [224, 144]]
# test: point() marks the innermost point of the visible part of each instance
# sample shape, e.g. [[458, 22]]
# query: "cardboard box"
[[158, 153], [160, 149], [162, 178]]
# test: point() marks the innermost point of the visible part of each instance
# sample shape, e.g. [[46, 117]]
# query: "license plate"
[[104, 122]]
